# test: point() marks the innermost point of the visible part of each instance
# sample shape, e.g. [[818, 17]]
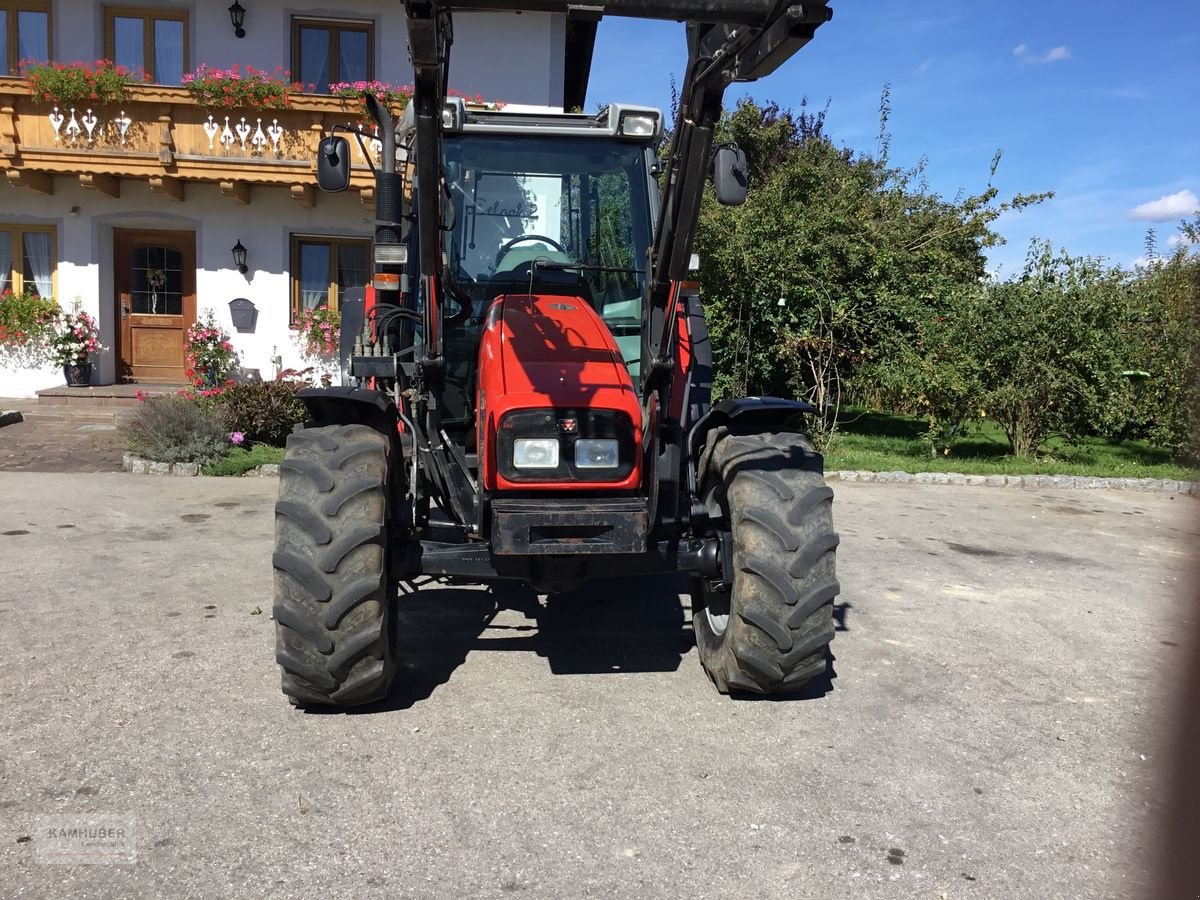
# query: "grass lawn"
[[238, 461], [879, 442]]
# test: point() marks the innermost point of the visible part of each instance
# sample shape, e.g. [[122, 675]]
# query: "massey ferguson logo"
[[568, 426]]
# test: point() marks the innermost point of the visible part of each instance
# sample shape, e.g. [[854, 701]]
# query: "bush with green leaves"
[[1166, 334], [174, 429], [264, 412], [1044, 353]]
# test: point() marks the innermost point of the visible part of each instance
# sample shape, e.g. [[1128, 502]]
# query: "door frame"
[[124, 241]]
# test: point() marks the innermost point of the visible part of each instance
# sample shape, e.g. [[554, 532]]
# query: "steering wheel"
[[528, 237]]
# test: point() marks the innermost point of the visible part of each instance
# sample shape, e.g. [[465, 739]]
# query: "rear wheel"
[[333, 612], [769, 631]]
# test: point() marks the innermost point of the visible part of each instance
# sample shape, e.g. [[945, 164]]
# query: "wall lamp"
[[239, 257], [238, 16]]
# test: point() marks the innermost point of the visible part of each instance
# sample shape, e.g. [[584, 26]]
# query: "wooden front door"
[[155, 277]]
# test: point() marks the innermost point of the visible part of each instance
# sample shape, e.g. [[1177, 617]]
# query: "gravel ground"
[[1003, 674]]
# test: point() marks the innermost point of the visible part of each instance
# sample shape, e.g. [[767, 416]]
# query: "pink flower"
[[236, 437]]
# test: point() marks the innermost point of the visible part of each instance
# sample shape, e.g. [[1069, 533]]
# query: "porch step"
[[100, 397]]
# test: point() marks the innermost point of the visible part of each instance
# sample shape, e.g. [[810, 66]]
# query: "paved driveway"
[[1004, 667]]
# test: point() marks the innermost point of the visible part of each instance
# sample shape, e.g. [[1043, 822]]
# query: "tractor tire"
[[334, 618], [768, 632]]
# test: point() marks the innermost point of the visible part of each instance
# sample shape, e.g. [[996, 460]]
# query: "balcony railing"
[[162, 136]]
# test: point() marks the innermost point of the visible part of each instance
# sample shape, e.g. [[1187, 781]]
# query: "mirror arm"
[[358, 136]]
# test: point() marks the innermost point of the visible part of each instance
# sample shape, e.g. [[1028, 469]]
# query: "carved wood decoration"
[[304, 195], [162, 134], [104, 184], [170, 187], [38, 181], [237, 191]]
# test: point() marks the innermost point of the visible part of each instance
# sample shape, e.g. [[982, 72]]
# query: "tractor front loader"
[[528, 397]]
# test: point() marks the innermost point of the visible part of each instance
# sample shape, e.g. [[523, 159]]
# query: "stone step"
[[101, 396]]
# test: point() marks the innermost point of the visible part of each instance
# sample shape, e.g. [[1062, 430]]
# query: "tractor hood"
[[550, 352], [556, 351]]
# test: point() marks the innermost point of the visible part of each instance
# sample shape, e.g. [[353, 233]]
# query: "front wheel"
[[333, 613], [768, 632]]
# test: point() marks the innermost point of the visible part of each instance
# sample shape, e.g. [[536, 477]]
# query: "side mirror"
[[731, 175], [333, 164]]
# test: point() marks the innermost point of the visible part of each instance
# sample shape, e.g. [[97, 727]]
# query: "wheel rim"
[[716, 603]]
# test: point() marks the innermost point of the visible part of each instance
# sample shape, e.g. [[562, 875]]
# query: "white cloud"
[[1180, 240], [1128, 93], [1055, 54], [1146, 262], [1164, 209]]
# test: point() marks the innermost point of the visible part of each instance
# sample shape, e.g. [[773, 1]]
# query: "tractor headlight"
[[565, 445], [604, 453], [535, 453], [637, 124]]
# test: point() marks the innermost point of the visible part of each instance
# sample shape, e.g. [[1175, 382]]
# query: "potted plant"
[[238, 88], [317, 332], [74, 340], [79, 84], [393, 96], [210, 353], [26, 324]]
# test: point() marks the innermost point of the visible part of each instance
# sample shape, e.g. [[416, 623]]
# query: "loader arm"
[[728, 41]]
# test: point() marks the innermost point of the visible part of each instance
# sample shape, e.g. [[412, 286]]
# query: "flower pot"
[[78, 374]]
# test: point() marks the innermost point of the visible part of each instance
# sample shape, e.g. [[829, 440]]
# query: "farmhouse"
[[132, 209]]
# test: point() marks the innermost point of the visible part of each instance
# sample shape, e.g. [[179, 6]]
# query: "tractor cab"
[[544, 205]]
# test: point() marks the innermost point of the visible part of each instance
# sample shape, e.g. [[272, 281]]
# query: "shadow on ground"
[[604, 627], [614, 625]]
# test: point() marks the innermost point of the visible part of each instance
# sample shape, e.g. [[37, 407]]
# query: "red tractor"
[[528, 397]]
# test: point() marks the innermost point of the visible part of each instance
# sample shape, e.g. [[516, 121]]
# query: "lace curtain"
[[314, 275], [39, 263]]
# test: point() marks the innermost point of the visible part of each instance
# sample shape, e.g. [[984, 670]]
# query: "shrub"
[[262, 411], [174, 429], [238, 461]]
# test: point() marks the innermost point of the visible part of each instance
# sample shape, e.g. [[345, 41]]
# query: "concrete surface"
[[994, 728]]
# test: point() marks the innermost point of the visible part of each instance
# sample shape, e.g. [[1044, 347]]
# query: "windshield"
[[558, 200]]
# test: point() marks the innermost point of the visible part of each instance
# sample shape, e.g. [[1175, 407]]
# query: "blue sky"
[[1098, 102]]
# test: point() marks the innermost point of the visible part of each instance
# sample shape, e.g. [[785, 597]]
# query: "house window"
[[325, 52], [148, 40], [324, 269], [27, 260], [24, 33]]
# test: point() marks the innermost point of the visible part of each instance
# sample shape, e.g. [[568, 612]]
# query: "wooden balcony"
[[161, 136]]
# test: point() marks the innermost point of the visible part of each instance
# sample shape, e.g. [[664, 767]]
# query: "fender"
[[743, 415], [351, 406]]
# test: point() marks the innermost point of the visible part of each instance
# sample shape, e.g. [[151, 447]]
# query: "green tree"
[[833, 260]]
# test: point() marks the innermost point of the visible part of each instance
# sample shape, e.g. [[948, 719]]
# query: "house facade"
[[131, 210]]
